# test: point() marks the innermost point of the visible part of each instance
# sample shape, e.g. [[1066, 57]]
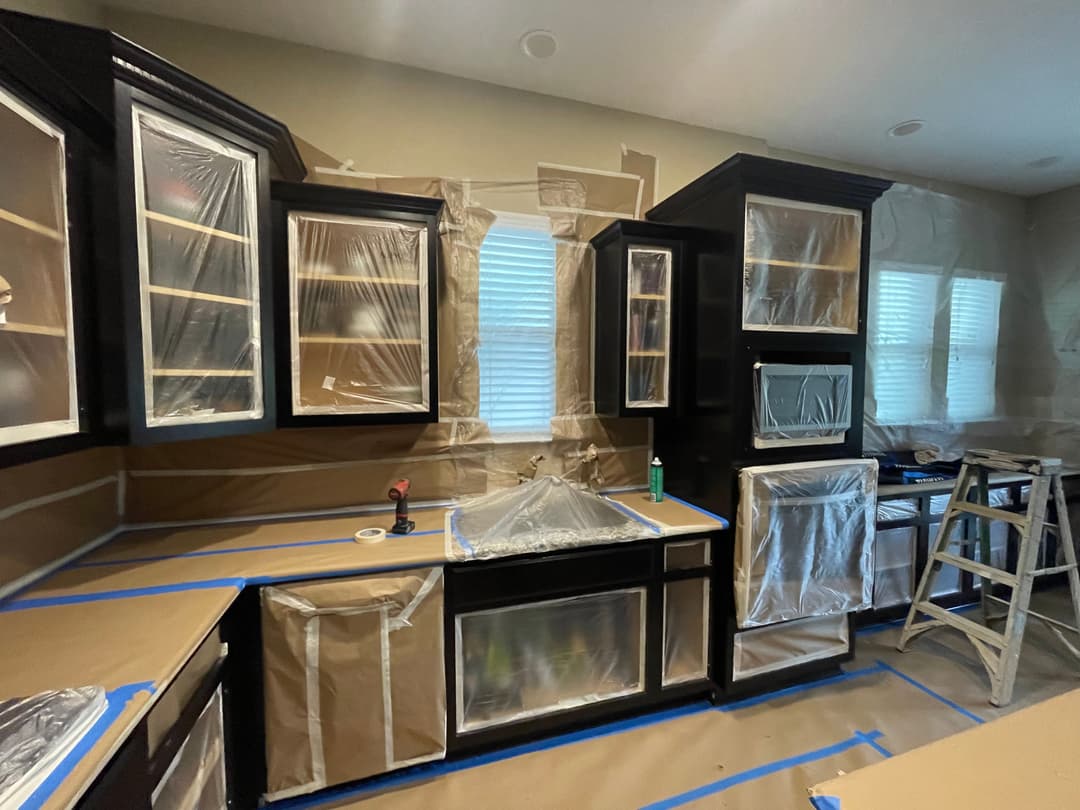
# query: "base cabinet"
[[353, 678]]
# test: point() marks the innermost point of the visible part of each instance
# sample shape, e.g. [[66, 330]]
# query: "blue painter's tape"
[[101, 596], [116, 700], [465, 544], [873, 743], [218, 551], [932, 693], [632, 514], [698, 509], [720, 785], [430, 770], [825, 802], [802, 687]]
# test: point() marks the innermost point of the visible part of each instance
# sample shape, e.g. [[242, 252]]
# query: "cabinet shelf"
[[30, 225], [646, 354], [843, 268], [648, 297], [202, 372], [363, 340], [32, 329], [198, 296], [194, 226], [344, 279]]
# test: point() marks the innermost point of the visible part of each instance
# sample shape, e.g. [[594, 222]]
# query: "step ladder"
[[1000, 652]]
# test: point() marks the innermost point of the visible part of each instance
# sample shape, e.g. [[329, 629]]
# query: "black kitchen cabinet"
[[46, 145], [356, 287], [182, 237], [638, 265]]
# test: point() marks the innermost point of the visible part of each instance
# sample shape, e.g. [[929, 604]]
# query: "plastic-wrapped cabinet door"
[[804, 540]]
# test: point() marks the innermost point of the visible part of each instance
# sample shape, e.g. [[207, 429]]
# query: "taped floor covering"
[[761, 754]]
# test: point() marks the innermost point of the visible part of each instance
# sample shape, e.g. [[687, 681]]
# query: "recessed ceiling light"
[[906, 128], [1045, 162], [539, 44]]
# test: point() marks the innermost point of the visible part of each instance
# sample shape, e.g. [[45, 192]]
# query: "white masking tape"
[[370, 536]]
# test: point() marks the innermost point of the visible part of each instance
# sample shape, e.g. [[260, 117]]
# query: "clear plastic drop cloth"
[[524, 661], [196, 778], [198, 260], [37, 732], [804, 540], [801, 404], [686, 630], [789, 644], [897, 509], [894, 565], [38, 395], [545, 514], [800, 266], [358, 315]]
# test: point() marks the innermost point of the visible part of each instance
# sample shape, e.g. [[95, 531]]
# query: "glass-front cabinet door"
[[356, 275], [801, 265], [358, 326], [648, 322], [196, 211], [38, 396]]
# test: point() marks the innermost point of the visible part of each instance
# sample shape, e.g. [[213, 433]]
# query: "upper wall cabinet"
[[43, 335], [357, 278], [637, 270], [182, 247]]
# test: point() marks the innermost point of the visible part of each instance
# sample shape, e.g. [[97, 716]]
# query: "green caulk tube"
[[656, 480]]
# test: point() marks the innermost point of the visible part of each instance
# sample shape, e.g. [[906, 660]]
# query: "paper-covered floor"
[[760, 754]]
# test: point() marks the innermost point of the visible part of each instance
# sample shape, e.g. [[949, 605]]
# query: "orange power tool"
[[399, 493]]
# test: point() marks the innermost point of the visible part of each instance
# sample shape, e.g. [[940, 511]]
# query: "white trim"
[[585, 170], [387, 699], [821, 208], [354, 173], [314, 701], [7, 589], [17, 434], [401, 620]]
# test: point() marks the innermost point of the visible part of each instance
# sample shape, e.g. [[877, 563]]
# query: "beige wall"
[[77, 11]]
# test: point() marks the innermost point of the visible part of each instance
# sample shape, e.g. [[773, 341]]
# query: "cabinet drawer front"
[[480, 585], [780, 646], [681, 555]]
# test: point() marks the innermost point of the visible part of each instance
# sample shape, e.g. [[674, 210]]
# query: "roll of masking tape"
[[370, 536]]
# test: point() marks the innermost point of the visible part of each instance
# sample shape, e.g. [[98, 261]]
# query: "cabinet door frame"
[[127, 279], [35, 92], [346, 202]]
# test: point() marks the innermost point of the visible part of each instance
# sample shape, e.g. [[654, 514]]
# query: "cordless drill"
[[399, 493]]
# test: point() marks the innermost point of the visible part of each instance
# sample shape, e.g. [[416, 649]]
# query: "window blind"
[[517, 328], [901, 332], [973, 337]]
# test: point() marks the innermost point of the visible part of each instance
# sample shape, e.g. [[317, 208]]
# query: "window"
[[914, 308], [517, 328]]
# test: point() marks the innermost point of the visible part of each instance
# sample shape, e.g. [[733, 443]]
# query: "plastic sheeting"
[[894, 565], [686, 630], [799, 405], [528, 660], [38, 395], [198, 263], [354, 678], [195, 779], [804, 540], [780, 646], [801, 266], [648, 335], [358, 315], [37, 732], [541, 515]]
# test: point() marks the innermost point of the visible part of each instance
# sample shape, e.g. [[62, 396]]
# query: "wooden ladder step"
[[962, 624], [1054, 569], [1017, 519], [982, 570]]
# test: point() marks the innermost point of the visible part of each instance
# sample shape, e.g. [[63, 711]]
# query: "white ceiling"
[[997, 81]]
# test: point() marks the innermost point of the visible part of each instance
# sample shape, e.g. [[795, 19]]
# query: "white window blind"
[[902, 336], [517, 328], [907, 309], [973, 336]]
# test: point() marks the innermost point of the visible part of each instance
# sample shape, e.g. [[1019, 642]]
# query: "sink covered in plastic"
[[541, 515]]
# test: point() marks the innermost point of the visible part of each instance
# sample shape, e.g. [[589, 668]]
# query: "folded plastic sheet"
[[801, 404], [354, 678], [198, 255], [37, 362], [36, 733], [541, 515], [801, 266], [358, 315], [804, 540]]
